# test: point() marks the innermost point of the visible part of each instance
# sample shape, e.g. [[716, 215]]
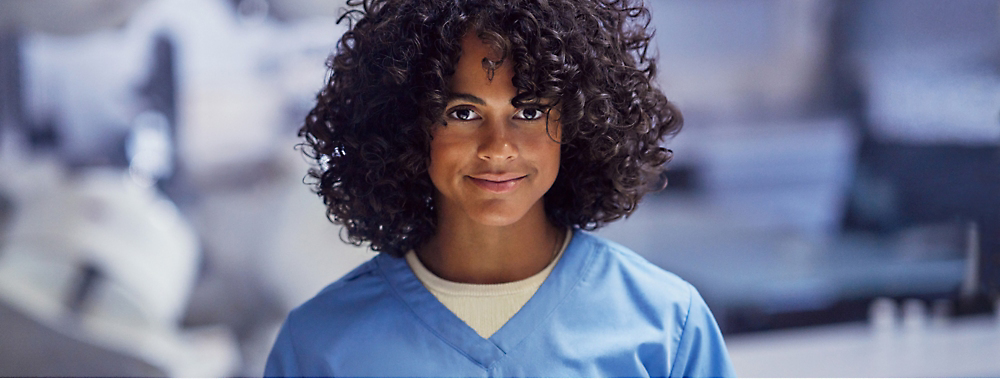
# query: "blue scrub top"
[[604, 311]]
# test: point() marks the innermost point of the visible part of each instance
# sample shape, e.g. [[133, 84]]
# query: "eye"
[[463, 114], [529, 114]]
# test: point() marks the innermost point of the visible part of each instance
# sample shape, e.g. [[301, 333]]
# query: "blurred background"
[[835, 193]]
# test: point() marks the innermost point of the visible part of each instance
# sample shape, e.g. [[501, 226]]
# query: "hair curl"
[[369, 133]]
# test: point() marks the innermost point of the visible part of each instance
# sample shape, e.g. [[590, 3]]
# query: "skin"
[[491, 165]]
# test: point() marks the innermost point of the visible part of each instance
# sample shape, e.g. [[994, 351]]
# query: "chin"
[[498, 215]]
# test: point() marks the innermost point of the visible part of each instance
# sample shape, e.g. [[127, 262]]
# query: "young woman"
[[471, 142]]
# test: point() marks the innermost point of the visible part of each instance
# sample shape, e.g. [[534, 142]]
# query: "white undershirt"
[[484, 307]]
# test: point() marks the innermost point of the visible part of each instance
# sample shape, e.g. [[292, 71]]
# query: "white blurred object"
[[883, 315], [243, 80], [912, 98], [83, 86], [133, 240], [240, 76], [964, 348], [134, 234], [149, 148]]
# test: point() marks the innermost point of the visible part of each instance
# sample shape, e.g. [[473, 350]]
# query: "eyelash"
[[541, 113], [453, 114]]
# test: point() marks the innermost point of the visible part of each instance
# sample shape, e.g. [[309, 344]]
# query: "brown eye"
[[463, 114], [529, 114]]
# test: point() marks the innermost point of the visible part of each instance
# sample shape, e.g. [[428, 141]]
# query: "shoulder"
[[357, 299], [613, 261], [638, 289], [667, 305], [359, 291], [349, 310]]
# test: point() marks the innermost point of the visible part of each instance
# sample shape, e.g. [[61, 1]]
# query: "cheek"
[[548, 158], [445, 157], [436, 163]]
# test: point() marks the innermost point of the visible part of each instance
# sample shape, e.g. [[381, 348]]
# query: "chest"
[[561, 344]]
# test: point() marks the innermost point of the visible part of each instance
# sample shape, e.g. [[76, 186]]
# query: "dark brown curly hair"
[[369, 133]]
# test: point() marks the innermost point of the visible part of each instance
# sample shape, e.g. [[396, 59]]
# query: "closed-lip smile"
[[497, 183]]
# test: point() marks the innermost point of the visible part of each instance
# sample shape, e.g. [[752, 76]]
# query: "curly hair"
[[369, 133]]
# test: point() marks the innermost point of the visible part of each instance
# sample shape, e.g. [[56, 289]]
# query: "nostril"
[[497, 148]]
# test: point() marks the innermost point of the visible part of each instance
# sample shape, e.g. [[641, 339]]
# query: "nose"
[[496, 143]]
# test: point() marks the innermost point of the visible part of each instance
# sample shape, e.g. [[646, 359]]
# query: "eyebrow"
[[466, 97]]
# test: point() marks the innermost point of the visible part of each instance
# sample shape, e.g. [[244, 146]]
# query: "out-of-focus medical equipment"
[[106, 262]]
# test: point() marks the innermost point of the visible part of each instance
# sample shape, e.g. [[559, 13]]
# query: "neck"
[[467, 252]]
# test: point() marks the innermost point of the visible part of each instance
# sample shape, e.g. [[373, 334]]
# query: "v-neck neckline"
[[452, 330]]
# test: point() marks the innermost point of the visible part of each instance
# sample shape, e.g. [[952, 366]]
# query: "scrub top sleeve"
[[283, 362], [701, 352]]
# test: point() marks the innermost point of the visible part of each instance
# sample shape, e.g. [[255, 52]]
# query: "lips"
[[497, 183]]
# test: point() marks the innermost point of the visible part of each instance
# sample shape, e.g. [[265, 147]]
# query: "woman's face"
[[492, 163]]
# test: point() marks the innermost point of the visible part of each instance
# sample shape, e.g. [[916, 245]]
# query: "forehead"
[[471, 75], [474, 46]]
